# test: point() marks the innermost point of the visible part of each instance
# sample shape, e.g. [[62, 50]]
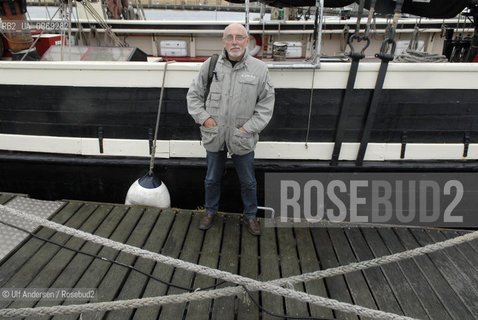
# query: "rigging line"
[[310, 108], [88, 21], [95, 15], [139, 4], [47, 11], [79, 32], [359, 17], [116, 40], [64, 12], [151, 276], [142, 10], [156, 129], [28, 15], [70, 9]]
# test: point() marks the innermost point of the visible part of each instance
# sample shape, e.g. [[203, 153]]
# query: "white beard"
[[235, 55]]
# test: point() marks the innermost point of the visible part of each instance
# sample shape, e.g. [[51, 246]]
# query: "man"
[[239, 106]]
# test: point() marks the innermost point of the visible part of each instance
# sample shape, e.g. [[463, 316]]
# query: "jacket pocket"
[[243, 142], [212, 107], [249, 87], [210, 138]]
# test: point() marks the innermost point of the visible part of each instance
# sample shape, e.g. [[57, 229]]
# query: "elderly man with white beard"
[[238, 107]]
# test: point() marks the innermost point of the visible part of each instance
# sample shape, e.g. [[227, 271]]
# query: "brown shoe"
[[253, 226], [206, 221]]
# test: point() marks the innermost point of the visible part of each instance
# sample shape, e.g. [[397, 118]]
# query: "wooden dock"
[[441, 285]]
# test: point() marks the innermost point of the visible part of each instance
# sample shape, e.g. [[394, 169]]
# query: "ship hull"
[[84, 131]]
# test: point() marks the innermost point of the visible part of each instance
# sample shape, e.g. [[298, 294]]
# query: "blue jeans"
[[244, 165]]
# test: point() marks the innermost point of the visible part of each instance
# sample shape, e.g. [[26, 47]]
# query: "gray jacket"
[[240, 96]]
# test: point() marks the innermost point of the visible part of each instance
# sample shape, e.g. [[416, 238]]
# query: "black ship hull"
[[91, 142]]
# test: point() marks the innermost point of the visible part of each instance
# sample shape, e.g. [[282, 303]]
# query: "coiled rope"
[[412, 56], [251, 284]]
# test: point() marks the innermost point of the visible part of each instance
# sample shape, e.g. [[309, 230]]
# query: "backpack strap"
[[210, 73]]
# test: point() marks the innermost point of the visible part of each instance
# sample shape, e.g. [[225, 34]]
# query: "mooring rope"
[[158, 117], [251, 284]]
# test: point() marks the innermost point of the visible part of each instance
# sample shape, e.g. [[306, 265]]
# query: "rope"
[[117, 41], [412, 56], [250, 284], [310, 109], [194, 296], [139, 4], [156, 129]]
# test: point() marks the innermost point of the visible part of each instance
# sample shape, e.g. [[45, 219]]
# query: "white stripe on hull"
[[265, 149], [180, 75]]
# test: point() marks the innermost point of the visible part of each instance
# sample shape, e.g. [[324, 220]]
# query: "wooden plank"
[[225, 307], [445, 292], [64, 269], [473, 244], [172, 248], [404, 293], [377, 282], [131, 288], [466, 248], [336, 286], [85, 219], [209, 257], [14, 261], [459, 281], [80, 267], [309, 263], [436, 295], [114, 281], [424, 291], [181, 277], [358, 287], [459, 258], [290, 267], [137, 238], [270, 271], [102, 273], [248, 267], [91, 278]]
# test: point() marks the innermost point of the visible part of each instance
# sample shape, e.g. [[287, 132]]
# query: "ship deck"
[[440, 285]]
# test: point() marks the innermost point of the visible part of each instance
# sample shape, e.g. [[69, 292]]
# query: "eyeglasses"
[[229, 38]]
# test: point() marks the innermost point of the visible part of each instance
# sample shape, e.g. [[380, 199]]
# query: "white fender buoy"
[[149, 191]]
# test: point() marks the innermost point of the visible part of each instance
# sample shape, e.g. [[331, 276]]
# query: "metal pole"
[[262, 12], [247, 16], [320, 9]]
